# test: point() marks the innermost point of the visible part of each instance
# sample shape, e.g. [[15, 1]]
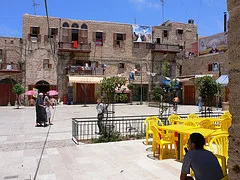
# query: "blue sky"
[[207, 14]]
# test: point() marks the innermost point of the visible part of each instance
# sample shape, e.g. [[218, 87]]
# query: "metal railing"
[[84, 129]]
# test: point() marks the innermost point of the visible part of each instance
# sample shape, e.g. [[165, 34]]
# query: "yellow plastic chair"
[[223, 163], [173, 117], [206, 123], [225, 116], [190, 123], [165, 142], [192, 116], [227, 113], [219, 145], [147, 122], [225, 124]]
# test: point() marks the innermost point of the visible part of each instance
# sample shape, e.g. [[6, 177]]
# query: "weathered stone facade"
[[234, 72], [109, 56], [199, 65], [11, 56], [11, 68]]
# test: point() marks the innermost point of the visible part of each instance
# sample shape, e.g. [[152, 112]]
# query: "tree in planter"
[[18, 90], [108, 87], [208, 88], [131, 88], [160, 95]]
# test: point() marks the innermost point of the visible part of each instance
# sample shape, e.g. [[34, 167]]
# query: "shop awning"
[[85, 79], [223, 80]]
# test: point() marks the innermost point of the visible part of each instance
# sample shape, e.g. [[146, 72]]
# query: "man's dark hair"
[[198, 140]]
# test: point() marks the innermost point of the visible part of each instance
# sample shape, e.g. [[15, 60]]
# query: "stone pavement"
[[28, 152]]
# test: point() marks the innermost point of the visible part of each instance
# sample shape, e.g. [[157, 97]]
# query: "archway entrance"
[[7, 95], [42, 86]]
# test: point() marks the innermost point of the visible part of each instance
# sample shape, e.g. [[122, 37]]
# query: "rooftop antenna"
[[34, 6], [162, 9]]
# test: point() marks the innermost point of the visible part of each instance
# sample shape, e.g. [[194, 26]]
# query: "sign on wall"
[[213, 44], [142, 33]]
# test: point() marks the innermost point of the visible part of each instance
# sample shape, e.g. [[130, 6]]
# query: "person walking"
[[199, 103], [204, 163], [40, 111], [175, 103], [100, 109], [47, 104]]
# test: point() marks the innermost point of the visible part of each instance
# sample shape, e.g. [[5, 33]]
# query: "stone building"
[[234, 69], [77, 54], [11, 68], [199, 62]]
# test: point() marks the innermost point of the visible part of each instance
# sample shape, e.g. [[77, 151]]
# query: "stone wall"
[[234, 81], [199, 65], [11, 49]]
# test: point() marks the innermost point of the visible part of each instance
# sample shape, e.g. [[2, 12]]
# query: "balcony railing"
[[166, 48], [74, 47], [82, 70], [10, 67]]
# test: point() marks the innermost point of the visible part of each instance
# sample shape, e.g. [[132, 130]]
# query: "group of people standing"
[[43, 111]]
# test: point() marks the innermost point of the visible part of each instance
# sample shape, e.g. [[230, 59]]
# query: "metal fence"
[[84, 129]]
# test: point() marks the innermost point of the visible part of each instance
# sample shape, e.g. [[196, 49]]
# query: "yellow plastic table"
[[179, 129], [186, 130]]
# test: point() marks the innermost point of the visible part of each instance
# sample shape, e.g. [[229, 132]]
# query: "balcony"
[[166, 48], [10, 67], [74, 47], [82, 70]]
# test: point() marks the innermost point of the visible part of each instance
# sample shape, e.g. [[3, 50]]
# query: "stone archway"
[[42, 86]]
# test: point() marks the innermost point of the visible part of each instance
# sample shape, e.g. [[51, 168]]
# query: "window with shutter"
[[45, 63], [84, 26], [75, 25], [65, 24], [35, 34], [118, 39], [165, 33], [99, 38], [210, 68]]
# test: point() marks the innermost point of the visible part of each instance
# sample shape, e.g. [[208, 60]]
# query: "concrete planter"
[[225, 106]]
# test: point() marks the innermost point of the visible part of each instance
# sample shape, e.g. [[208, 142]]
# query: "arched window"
[[65, 24], [83, 26], [75, 25]]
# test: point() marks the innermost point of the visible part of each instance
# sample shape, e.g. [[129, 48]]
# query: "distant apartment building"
[[72, 56], [11, 68]]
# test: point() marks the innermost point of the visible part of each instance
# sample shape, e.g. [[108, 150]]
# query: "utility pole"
[[162, 9], [141, 85], [34, 6]]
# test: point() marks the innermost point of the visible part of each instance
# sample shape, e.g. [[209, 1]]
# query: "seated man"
[[203, 162]]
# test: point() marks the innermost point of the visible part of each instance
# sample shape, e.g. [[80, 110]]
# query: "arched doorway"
[[42, 86], [7, 95]]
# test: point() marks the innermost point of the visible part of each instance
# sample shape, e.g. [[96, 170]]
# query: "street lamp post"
[[141, 85]]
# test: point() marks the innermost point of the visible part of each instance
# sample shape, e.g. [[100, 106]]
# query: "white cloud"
[[141, 4]]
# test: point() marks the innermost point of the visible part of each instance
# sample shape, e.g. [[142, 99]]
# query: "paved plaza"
[[29, 152]]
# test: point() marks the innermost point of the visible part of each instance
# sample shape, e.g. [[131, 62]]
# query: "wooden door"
[[85, 92], [189, 95], [7, 94]]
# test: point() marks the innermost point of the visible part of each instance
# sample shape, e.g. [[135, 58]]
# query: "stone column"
[[234, 87]]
